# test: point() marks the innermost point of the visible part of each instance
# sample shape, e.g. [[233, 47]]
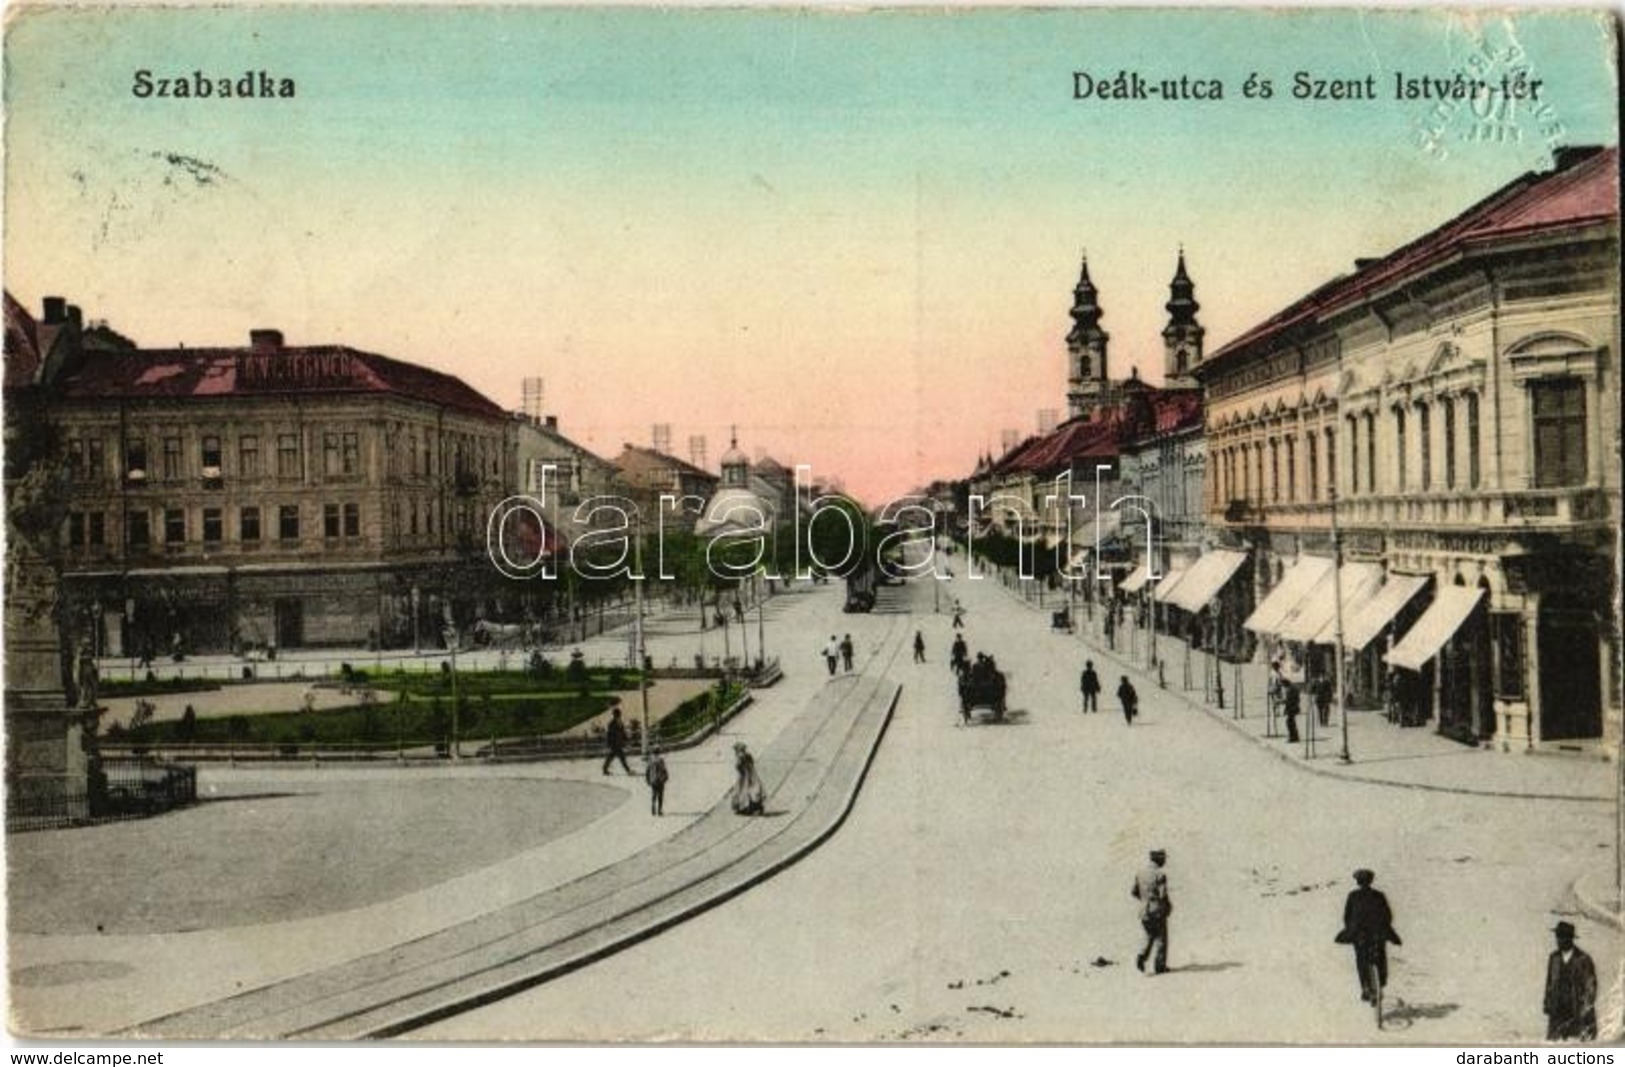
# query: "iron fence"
[[118, 786]]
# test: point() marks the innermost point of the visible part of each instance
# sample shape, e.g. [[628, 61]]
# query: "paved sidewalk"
[[1381, 752]]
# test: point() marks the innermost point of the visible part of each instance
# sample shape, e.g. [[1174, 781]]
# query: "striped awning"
[[1134, 582], [1299, 580], [1165, 586], [1206, 578], [1450, 608], [1317, 612], [1369, 619]]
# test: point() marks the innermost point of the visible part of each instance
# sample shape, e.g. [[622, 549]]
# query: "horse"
[[502, 634]]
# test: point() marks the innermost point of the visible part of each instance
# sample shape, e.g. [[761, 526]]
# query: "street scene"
[[737, 538]]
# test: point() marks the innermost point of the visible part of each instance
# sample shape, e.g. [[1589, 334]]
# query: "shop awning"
[[1134, 582], [1168, 583], [1296, 584], [1317, 612], [1450, 608], [1375, 614], [1206, 577]]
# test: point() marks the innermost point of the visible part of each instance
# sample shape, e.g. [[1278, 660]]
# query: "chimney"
[[1365, 261], [552, 422], [56, 311], [265, 342], [1566, 157], [76, 319]]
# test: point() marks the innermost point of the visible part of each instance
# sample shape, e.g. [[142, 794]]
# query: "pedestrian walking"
[[832, 654], [749, 796], [1291, 711], [1321, 692], [1368, 925], [847, 652], [1130, 699], [959, 616], [615, 736], [1571, 990], [960, 654], [654, 772], [1275, 689], [1151, 890], [919, 647], [1089, 683]]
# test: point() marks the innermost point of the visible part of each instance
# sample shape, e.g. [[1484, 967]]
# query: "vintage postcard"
[[970, 526]]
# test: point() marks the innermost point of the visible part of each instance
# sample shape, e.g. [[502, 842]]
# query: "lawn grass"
[[410, 723]]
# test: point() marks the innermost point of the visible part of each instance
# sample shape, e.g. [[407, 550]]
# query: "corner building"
[[273, 496], [1444, 423]]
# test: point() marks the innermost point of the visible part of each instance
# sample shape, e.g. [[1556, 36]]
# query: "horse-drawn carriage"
[[1061, 621], [982, 686]]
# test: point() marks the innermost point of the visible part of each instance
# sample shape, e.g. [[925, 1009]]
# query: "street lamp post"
[[744, 633], [1337, 637], [761, 626], [639, 640], [456, 701]]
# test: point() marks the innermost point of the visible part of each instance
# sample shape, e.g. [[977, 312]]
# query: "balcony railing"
[[1529, 508]]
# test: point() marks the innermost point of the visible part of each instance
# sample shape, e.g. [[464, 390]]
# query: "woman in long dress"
[[749, 798]]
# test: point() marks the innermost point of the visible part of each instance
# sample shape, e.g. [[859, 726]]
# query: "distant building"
[[273, 496], [1455, 405], [648, 475]]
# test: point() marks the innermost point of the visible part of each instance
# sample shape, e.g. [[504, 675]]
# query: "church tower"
[[1086, 350], [1182, 337]]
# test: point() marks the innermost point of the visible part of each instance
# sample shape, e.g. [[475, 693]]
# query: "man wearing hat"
[[1571, 990], [1368, 925], [1151, 890]]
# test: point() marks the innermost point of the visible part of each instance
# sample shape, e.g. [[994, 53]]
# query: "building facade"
[[1444, 422], [274, 496]]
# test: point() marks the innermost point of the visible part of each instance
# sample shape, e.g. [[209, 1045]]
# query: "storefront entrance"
[[1570, 690]]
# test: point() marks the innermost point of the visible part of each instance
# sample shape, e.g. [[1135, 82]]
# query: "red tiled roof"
[[1176, 410], [1584, 193], [1068, 443], [228, 372], [22, 355]]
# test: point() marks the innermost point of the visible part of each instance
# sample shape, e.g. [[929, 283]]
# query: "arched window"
[[1424, 437], [1472, 440], [1312, 463], [1370, 452], [1354, 455], [1447, 416], [1399, 452], [1331, 461]]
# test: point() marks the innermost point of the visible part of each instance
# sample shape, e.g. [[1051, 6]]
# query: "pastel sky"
[[853, 235]]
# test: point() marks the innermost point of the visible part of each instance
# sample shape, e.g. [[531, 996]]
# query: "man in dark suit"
[[1368, 925], [1291, 705], [1571, 990], [1089, 683]]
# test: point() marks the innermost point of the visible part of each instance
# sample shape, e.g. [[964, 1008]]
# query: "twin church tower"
[[1089, 389]]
